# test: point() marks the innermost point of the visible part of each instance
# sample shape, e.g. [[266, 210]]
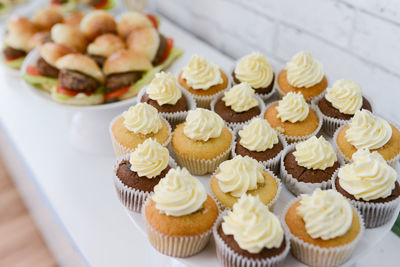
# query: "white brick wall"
[[354, 39]]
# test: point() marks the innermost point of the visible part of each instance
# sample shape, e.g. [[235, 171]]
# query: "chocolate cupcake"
[[308, 165], [238, 105]]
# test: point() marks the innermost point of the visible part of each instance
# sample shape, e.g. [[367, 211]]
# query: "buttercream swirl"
[[368, 177], [239, 175], [142, 118], [326, 214], [163, 89], [240, 98], [315, 153], [201, 73], [368, 131], [255, 70], [252, 225], [179, 193], [258, 135], [345, 95], [149, 159], [292, 107], [202, 124], [304, 71]]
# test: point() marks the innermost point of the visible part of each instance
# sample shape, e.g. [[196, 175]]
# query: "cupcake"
[[180, 215], [261, 142], [368, 131], [203, 80], [250, 235], [238, 105], [293, 118], [137, 173], [137, 124], [323, 228], [244, 175], [303, 74], [202, 142], [164, 94], [255, 70], [339, 104], [371, 185], [308, 165]]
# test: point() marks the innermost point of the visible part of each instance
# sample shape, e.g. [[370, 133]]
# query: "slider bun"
[[69, 36], [126, 61], [45, 18], [38, 39], [74, 19], [20, 30], [105, 45], [144, 41], [51, 52], [80, 63], [97, 23], [131, 21]]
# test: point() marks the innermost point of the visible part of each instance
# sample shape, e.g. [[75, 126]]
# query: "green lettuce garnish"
[[15, 64]]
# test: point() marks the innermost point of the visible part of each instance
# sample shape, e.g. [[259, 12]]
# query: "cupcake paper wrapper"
[[132, 198], [282, 94], [175, 118], [233, 125], [121, 150], [229, 258], [374, 214], [313, 255]]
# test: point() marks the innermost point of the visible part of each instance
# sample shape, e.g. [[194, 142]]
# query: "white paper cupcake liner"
[[313, 255], [282, 94], [233, 125], [295, 139], [174, 118], [175, 246], [374, 214], [132, 198], [121, 150], [229, 258]]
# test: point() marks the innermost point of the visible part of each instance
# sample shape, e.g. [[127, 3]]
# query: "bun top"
[[45, 18], [144, 41], [98, 22], [51, 52], [69, 36], [105, 45], [74, 19], [20, 30], [80, 63], [125, 61], [38, 39], [131, 21]]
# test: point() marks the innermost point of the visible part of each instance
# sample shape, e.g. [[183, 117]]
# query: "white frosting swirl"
[[252, 225], [163, 89], [345, 95], [368, 177], [255, 70], [240, 98], [326, 214], [142, 118], [258, 135], [293, 107], [202, 124], [368, 131], [149, 159], [315, 153], [179, 193], [304, 71], [201, 73], [239, 175]]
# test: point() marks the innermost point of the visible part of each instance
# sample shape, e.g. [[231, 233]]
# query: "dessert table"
[[69, 190]]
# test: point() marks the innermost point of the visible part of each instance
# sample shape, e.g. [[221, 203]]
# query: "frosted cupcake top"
[[202, 124], [240, 98], [345, 95], [255, 70], [142, 118], [163, 89], [258, 135], [304, 71], [292, 107]]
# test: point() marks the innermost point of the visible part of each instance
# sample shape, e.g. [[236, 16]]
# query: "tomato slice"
[[153, 20], [101, 5], [168, 48], [12, 58], [32, 70], [66, 91], [117, 93], [55, 3]]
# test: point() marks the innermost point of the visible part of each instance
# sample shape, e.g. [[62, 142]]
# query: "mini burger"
[[45, 73], [132, 21], [46, 18], [80, 81], [66, 5], [124, 70], [16, 42], [97, 23], [100, 4], [69, 36], [104, 46]]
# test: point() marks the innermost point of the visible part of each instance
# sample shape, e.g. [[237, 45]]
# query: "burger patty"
[[160, 51], [77, 81], [10, 52], [60, 1], [99, 59], [96, 2], [46, 69], [120, 80]]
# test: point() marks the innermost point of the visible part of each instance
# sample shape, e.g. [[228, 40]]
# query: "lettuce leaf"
[[14, 64], [110, 5], [40, 80]]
